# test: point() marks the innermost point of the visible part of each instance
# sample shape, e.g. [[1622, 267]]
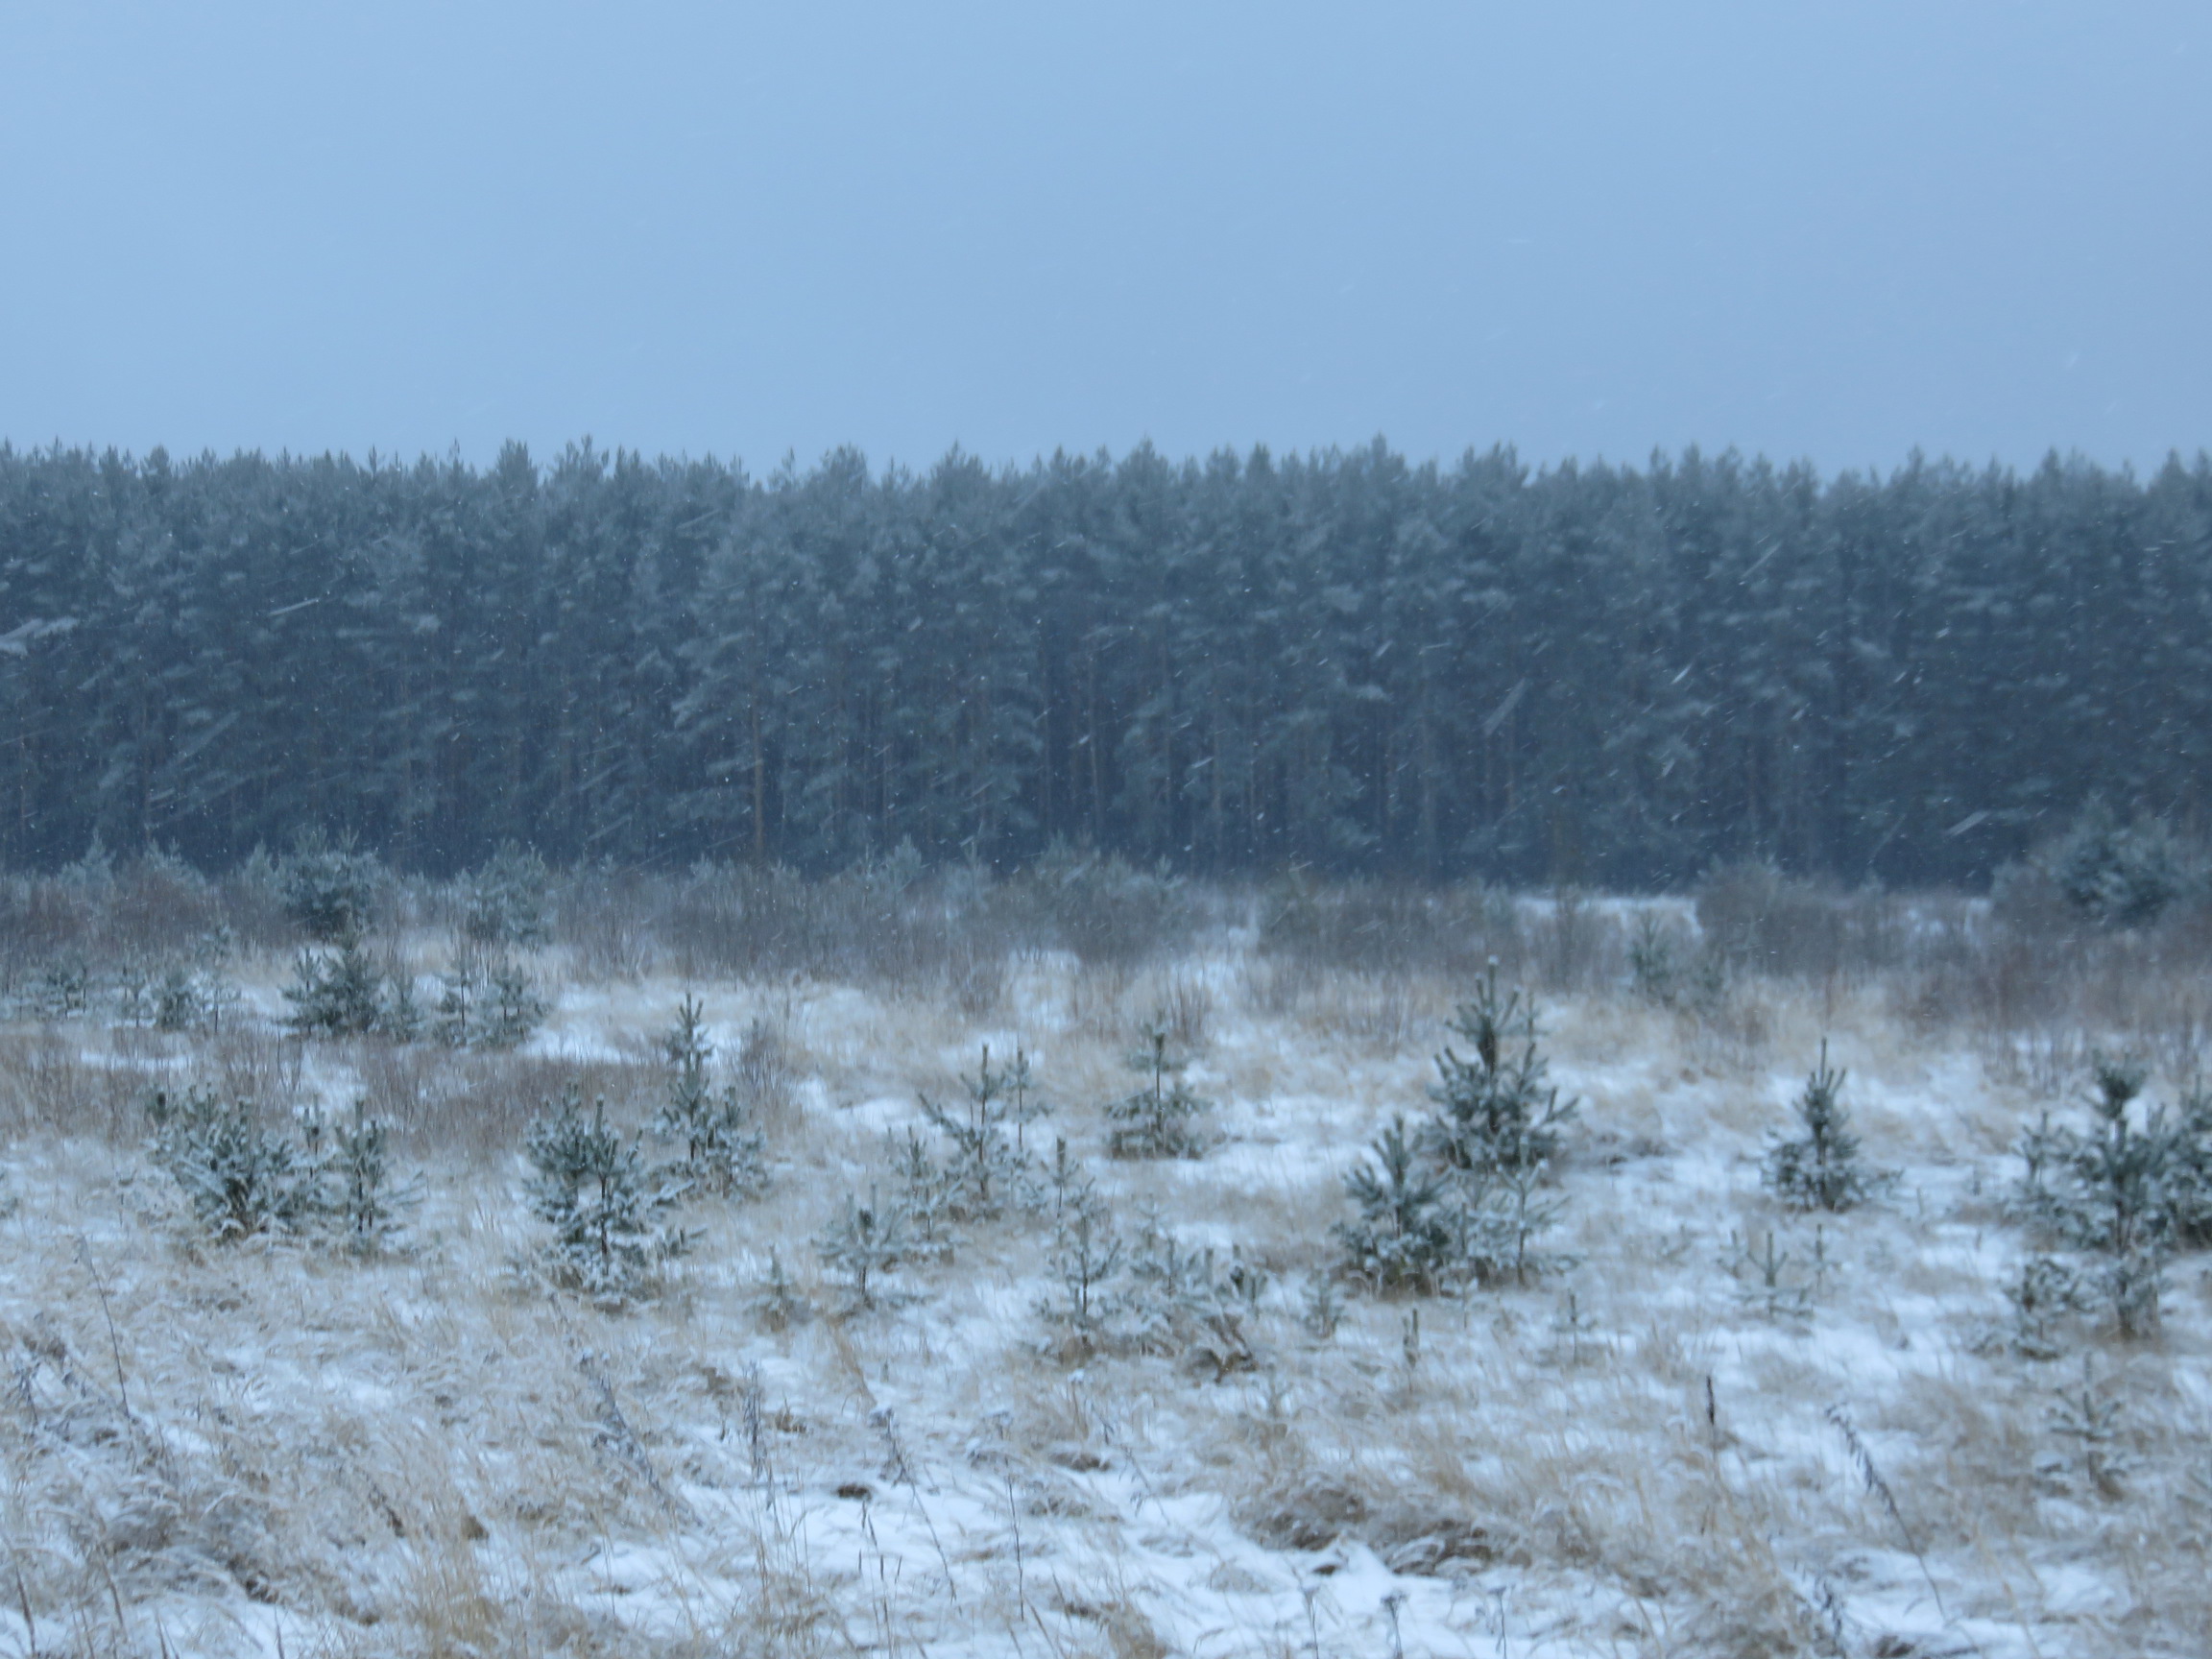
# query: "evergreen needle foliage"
[[2130, 1192], [593, 1188], [722, 1152], [1495, 1112], [489, 1004], [329, 892], [1820, 1169], [1160, 1121], [354, 1164], [336, 992], [987, 1170], [1085, 1260], [1403, 1238], [863, 1243], [1461, 1198], [241, 1178], [504, 901]]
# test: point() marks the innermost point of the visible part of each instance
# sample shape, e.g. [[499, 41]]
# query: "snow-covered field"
[[273, 1448]]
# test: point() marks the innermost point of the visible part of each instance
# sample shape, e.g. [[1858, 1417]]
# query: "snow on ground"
[[268, 1448]]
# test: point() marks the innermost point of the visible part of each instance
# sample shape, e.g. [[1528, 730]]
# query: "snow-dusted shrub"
[[1160, 1121], [985, 1169], [2118, 875], [862, 1243], [593, 1188], [354, 1194], [1494, 1110], [336, 992], [241, 1178], [1821, 1168], [2130, 1192], [1084, 1263], [489, 1005], [1403, 1238], [329, 892], [504, 900], [723, 1154], [1191, 1304]]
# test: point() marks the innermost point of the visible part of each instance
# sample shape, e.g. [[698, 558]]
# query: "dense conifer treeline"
[[1597, 674]]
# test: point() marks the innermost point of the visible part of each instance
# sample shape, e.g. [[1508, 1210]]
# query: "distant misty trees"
[[1598, 674]]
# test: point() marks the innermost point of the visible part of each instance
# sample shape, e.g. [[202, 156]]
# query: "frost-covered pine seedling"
[[240, 1178], [593, 1188], [2044, 1290], [1161, 1120], [329, 892], [1496, 1221], [510, 1010], [336, 992], [778, 1306], [1405, 1238], [487, 1005], [2128, 1192], [1084, 1263], [986, 1169], [2120, 875], [354, 1171], [1185, 1303], [1820, 1169], [924, 1197], [864, 1242], [504, 900], [1495, 1112], [1322, 1310], [722, 1154]]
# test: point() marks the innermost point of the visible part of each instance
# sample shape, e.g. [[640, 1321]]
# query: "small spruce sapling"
[[336, 992], [778, 1306], [329, 891], [924, 1197], [1494, 1110], [489, 1005], [1161, 1120], [1188, 1303], [361, 1204], [863, 1243], [2045, 1290], [1085, 1260], [504, 906], [2124, 1191], [1405, 1237], [986, 1169], [241, 1179], [722, 1154], [593, 1188], [1820, 1169]]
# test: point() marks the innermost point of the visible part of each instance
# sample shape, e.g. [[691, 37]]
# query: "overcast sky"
[[1832, 231]]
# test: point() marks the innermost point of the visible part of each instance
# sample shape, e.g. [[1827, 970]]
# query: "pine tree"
[[1819, 1170], [241, 1179], [1084, 1260], [1161, 1120], [722, 1153], [593, 1188], [329, 891], [1495, 1112], [863, 1243], [360, 1201], [504, 901], [2126, 1192], [1404, 1239], [986, 1170], [336, 993]]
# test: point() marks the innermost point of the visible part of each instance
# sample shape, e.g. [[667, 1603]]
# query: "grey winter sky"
[[1823, 230]]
